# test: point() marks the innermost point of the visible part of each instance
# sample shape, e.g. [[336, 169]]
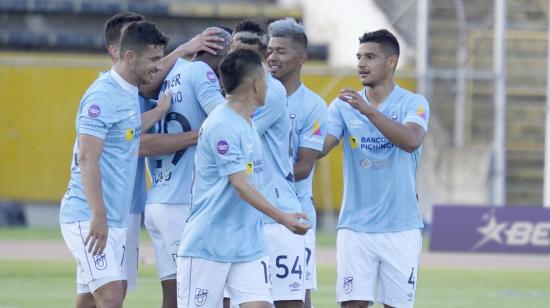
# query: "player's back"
[[195, 92], [273, 125], [222, 226]]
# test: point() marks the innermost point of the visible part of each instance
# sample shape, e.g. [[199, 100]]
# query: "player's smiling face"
[[147, 63], [372, 64], [284, 57]]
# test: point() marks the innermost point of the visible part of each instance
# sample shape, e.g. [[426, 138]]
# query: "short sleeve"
[[418, 111], [274, 107], [225, 143], [206, 86], [315, 128], [335, 120], [97, 115]]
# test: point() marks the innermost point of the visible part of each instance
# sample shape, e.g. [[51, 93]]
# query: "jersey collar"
[[123, 83]]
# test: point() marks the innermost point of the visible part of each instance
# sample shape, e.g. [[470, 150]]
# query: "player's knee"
[[354, 304], [112, 300]]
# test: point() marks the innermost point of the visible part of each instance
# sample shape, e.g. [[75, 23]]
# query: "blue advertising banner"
[[490, 229]]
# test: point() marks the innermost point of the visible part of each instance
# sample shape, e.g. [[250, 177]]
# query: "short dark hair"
[[289, 28], [236, 66], [388, 42], [113, 26], [258, 34], [138, 35]]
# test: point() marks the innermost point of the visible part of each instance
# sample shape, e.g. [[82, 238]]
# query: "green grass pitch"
[[52, 284]]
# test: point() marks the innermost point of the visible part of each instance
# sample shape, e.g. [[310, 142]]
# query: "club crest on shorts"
[[100, 261], [200, 296], [348, 284]]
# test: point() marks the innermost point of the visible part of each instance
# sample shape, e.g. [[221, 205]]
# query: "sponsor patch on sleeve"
[[94, 111]]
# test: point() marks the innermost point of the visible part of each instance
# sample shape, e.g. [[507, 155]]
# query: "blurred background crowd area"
[[481, 64]]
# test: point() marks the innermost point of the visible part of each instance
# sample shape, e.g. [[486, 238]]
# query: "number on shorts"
[[265, 271], [308, 255], [278, 264], [411, 278], [296, 268]]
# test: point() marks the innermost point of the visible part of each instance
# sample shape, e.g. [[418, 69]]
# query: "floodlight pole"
[[422, 47], [546, 196], [499, 138]]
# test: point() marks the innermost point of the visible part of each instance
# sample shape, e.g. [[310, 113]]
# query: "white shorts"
[[287, 262], [310, 280], [165, 224], [132, 250], [385, 262], [201, 283], [93, 272]]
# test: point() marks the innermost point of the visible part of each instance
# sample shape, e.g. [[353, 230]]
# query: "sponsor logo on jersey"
[[222, 146], [355, 123], [211, 76], [375, 164], [129, 134], [200, 296], [94, 111], [353, 142], [348, 284], [316, 130], [421, 112]]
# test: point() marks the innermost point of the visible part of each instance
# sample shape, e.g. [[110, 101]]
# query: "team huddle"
[[230, 140]]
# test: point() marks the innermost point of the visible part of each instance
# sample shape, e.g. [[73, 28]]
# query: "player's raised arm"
[[206, 41]]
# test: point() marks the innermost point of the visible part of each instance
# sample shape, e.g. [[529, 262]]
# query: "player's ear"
[[392, 62], [302, 58], [130, 56]]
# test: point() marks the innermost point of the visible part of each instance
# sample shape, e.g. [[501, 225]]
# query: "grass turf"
[[52, 284]]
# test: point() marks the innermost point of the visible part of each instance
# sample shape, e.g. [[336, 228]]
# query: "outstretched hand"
[[292, 222], [353, 98]]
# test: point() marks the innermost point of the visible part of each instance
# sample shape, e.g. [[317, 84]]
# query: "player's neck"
[[292, 82], [378, 93], [124, 72], [242, 104]]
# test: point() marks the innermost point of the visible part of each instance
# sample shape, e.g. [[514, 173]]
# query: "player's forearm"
[[248, 193], [91, 181], [400, 135], [149, 118], [162, 144], [302, 169], [330, 143]]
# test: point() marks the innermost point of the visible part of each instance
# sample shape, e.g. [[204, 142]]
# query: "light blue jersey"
[[109, 110], [308, 117], [273, 125], [379, 178], [139, 196], [195, 93], [223, 227]]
